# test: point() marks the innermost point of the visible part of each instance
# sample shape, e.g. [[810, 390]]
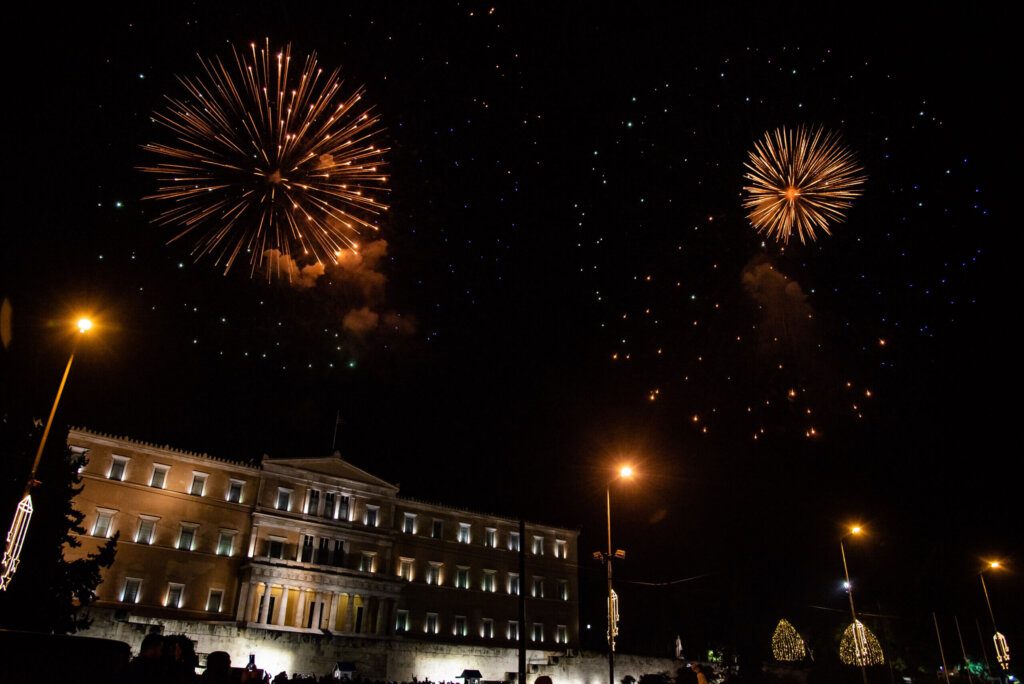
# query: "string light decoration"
[[1002, 650], [859, 646], [787, 645], [15, 540]]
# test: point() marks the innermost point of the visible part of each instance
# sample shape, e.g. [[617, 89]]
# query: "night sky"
[[572, 281]]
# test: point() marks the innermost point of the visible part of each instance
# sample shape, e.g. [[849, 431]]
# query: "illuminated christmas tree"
[[859, 646], [787, 646]]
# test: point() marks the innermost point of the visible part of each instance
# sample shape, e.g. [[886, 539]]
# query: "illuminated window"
[[437, 529], [464, 533], [561, 548], [104, 522], [147, 526], [409, 523], [487, 628], [372, 518], [405, 569], [118, 465], [214, 601], [434, 573], [563, 590], [226, 542], [175, 595], [343, 507], [402, 621], [538, 631], [235, 491], [513, 630], [538, 587], [538, 546], [330, 503], [491, 538], [198, 484], [488, 583], [284, 499], [462, 577], [131, 590], [431, 625], [312, 501], [306, 549], [459, 629], [513, 541], [513, 583], [561, 634], [366, 561], [159, 477], [187, 536]]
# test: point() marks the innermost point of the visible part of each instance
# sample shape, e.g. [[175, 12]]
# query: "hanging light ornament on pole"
[[860, 637], [1002, 648], [624, 473], [23, 513]]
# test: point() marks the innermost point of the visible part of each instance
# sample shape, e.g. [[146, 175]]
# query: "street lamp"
[[860, 637], [1002, 648], [625, 472], [23, 513]]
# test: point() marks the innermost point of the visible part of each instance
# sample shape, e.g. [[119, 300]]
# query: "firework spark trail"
[[264, 158], [802, 180]]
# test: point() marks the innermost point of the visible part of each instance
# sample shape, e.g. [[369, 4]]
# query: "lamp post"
[[23, 513], [625, 473], [859, 638], [1002, 648]]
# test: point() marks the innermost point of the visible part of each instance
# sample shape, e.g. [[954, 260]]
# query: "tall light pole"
[[23, 513], [1002, 648], [860, 642], [625, 473]]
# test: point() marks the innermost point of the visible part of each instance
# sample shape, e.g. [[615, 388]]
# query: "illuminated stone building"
[[313, 546]]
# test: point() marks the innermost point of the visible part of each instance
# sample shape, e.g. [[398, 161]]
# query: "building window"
[[563, 590], [131, 590], [462, 578], [372, 517], [513, 541], [198, 484], [460, 625], [409, 523], [487, 628], [175, 595], [561, 634], [431, 625], [118, 464], [561, 549], [491, 538], [434, 573], [488, 582], [405, 569], [275, 548], [538, 587], [147, 526], [402, 621], [538, 631], [464, 533], [235, 491], [187, 536], [159, 477], [437, 529], [214, 601], [306, 549], [513, 630], [339, 553], [343, 508], [538, 546], [513, 583], [312, 501], [104, 522], [330, 503], [284, 499], [226, 542], [366, 561], [323, 553]]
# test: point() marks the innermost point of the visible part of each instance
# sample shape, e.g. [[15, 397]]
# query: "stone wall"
[[394, 659]]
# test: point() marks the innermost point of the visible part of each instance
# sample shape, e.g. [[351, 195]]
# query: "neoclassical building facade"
[[315, 546]]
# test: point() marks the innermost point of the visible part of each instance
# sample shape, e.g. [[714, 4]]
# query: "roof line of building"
[[504, 518], [163, 447]]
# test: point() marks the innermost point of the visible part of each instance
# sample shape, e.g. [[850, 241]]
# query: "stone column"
[[381, 615], [333, 619], [265, 608], [283, 607], [242, 607], [300, 610]]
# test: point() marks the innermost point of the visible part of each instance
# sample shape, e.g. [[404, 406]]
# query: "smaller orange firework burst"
[[800, 180]]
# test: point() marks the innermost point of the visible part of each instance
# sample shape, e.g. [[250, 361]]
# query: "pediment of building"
[[333, 467]]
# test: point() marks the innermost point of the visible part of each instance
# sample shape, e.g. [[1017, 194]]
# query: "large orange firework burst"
[[800, 180], [266, 156]]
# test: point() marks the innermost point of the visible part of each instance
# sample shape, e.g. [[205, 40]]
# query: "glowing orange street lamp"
[[23, 513], [1002, 648]]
